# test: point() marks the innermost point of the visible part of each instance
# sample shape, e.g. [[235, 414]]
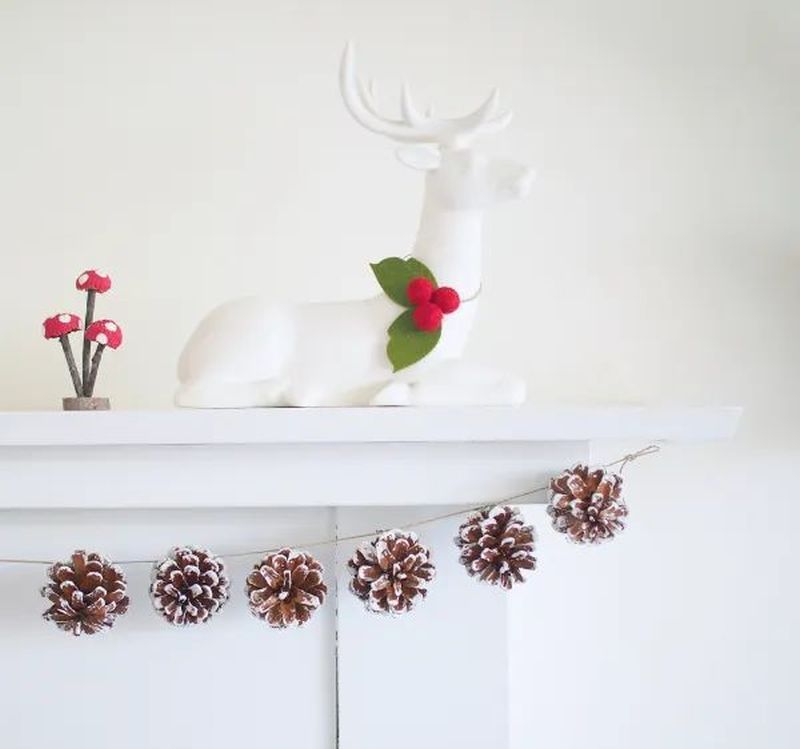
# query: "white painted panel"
[[425, 673], [274, 475], [439, 674], [233, 682], [566, 625], [565, 628]]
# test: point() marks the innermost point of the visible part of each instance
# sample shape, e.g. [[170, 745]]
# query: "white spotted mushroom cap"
[[105, 332]]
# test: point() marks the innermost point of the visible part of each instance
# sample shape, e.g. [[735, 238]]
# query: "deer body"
[[252, 352]]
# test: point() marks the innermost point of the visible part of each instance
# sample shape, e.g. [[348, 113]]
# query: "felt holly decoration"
[[415, 333], [430, 303]]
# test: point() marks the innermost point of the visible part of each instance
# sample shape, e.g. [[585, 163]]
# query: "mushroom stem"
[[87, 344], [98, 354], [73, 367]]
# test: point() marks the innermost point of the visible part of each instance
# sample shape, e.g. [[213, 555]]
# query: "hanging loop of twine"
[[630, 457], [521, 498]]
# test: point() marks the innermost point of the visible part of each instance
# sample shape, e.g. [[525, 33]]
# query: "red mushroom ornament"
[[106, 334], [60, 326], [93, 282]]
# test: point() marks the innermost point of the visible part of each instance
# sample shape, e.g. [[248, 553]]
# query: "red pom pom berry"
[[446, 299], [419, 290], [427, 317]]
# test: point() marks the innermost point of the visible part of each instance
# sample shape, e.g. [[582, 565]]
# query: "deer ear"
[[421, 157]]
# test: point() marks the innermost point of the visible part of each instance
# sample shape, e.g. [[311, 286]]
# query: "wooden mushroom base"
[[86, 404]]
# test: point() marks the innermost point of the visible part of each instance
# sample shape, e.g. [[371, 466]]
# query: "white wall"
[[198, 150]]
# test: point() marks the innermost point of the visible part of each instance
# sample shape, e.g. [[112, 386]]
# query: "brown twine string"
[[511, 499]]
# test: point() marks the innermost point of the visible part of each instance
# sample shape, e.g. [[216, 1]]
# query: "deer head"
[[458, 177]]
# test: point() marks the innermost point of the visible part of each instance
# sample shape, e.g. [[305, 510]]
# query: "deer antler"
[[415, 127]]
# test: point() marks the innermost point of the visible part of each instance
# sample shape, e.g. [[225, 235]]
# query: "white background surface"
[[198, 150]]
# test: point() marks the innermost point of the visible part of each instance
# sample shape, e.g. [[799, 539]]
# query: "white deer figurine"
[[252, 352]]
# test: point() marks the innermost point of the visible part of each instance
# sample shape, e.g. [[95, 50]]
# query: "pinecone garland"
[[587, 505], [189, 586], [285, 588], [496, 546], [391, 573], [86, 594]]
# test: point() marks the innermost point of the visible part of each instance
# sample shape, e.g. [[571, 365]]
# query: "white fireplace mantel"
[[364, 425], [131, 484], [315, 457]]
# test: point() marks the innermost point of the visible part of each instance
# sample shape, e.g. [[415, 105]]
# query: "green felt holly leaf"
[[394, 273], [407, 345]]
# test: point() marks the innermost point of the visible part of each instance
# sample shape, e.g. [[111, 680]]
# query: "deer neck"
[[449, 243]]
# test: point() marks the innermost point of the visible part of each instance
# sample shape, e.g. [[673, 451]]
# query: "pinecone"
[[587, 505], [189, 586], [285, 588], [496, 546], [391, 573], [87, 594]]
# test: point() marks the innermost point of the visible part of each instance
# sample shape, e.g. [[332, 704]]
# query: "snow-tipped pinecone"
[[285, 588], [86, 594], [587, 505], [391, 573], [496, 546], [189, 586]]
